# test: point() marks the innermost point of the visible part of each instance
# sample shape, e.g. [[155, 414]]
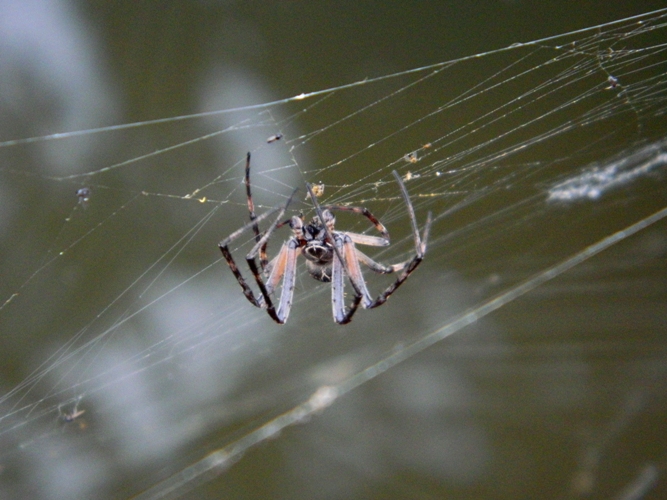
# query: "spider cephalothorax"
[[330, 256], [317, 251]]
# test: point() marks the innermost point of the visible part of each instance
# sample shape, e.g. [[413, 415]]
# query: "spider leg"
[[419, 245], [366, 213], [252, 264], [365, 239], [263, 260], [284, 268], [354, 271], [224, 248], [420, 248], [409, 267], [376, 266], [268, 267], [265, 300], [251, 204], [289, 281], [338, 288], [276, 270]]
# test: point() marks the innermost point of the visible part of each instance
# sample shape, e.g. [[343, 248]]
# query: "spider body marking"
[[330, 256]]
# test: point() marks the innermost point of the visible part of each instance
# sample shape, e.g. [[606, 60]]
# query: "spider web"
[[533, 158]]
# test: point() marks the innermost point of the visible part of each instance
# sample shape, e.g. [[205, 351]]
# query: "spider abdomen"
[[318, 259], [319, 272]]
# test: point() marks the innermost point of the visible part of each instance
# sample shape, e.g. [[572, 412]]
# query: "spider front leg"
[[264, 300], [263, 260], [420, 248]]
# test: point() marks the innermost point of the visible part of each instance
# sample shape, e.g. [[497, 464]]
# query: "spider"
[[330, 255]]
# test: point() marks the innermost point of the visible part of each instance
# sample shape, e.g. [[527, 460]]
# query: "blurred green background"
[[560, 394]]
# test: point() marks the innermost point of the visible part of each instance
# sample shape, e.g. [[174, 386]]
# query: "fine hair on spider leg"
[[330, 255]]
